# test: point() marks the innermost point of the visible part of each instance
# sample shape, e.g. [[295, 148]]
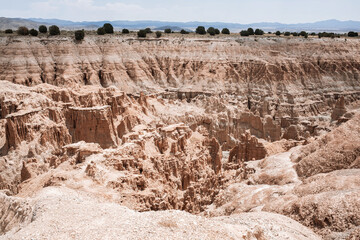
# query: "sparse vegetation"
[[330, 35], [43, 29], [244, 33], [200, 30], [211, 31], [8, 31], [303, 33], [168, 30], [168, 223], [141, 33], [250, 31], [278, 33], [225, 31], [79, 35], [101, 31], [125, 31], [184, 31], [109, 29], [54, 30], [158, 34], [259, 32], [23, 31], [353, 34], [33, 32]]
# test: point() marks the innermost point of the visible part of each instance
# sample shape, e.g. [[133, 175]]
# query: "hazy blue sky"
[[239, 11]]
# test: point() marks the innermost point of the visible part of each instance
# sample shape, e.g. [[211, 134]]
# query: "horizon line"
[[193, 21]]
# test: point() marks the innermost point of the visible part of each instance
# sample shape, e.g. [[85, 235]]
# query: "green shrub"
[[184, 31], [303, 33], [33, 32], [101, 31], [211, 31], [287, 34], [244, 33], [217, 31], [295, 34], [158, 34], [148, 30], [8, 31], [259, 32], [353, 34], [326, 34], [250, 31], [108, 28], [225, 31], [23, 31], [168, 30], [200, 30], [278, 33], [42, 29], [54, 30], [142, 33], [79, 35], [125, 31]]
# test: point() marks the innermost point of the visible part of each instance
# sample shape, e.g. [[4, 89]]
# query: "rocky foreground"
[[238, 138]]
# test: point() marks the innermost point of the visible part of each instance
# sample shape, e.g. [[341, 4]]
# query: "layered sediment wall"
[[250, 66]]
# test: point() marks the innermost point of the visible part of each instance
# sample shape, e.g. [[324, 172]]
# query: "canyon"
[[179, 137]]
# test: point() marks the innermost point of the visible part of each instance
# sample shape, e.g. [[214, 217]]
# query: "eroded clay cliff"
[[211, 127], [248, 66]]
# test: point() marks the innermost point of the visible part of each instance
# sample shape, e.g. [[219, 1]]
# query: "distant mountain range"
[[332, 25], [173, 28]]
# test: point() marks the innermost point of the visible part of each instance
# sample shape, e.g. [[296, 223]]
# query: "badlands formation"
[[179, 138]]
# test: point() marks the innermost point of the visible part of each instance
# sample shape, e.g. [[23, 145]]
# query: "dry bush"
[[168, 223]]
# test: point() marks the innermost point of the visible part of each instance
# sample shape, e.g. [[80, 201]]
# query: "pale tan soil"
[[60, 213]]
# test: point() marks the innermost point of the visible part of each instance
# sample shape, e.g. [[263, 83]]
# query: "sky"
[[236, 11]]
